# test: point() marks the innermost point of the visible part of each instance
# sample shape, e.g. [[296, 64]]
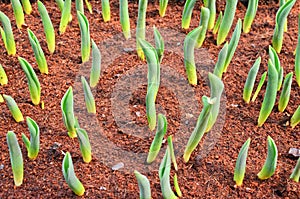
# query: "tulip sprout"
[[164, 176], [96, 65], [285, 93], [65, 17], [220, 65], [281, 3], [7, 34], [153, 81], [204, 23], [3, 76], [48, 27], [295, 118], [105, 10], [211, 5], [85, 37], [270, 95], [159, 44], [70, 176], [16, 158], [32, 146], [297, 57], [144, 185], [157, 141], [281, 17], [13, 107], [218, 22], [141, 27], [296, 172], [227, 20], [187, 13], [163, 7], [200, 128], [18, 12], [88, 96], [124, 18], [189, 60], [250, 15], [171, 147], [27, 6], [38, 52], [84, 143], [276, 62], [176, 186], [260, 84], [68, 112], [240, 166], [1, 99], [89, 6], [33, 81], [270, 164], [60, 4], [79, 6], [248, 88]]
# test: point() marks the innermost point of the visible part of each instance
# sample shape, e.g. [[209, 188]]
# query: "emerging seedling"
[[18, 12], [85, 37], [296, 172], [218, 22], [260, 84], [7, 35], [281, 17], [96, 65], [270, 164], [124, 18], [65, 17], [211, 5], [248, 88], [105, 10], [240, 166], [141, 27], [227, 20], [220, 65], [70, 176], [285, 93], [89, 6], [159, 44], [187, 13], [1, 99], [173, 158], [33, 81], [3, 76], [189, 60], [14, 109], [38, 52], [68, 112], [204, 23], [27, 6], [163, 7], [32, 146], [144, 185], [295, 118], [276, 62], [250, 15], [281, 3], [176, 186], [297, 57], [84, 143], [157, 141], [88, 96], [79, 6], [16, 158]]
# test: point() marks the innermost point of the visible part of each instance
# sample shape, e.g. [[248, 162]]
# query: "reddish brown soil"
[[209, 176]]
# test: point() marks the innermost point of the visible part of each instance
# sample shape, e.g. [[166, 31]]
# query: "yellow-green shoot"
[[89, 6], [270, 164], [211, 5], [163, 7], [124, 18], [1, 98], [60, 4], [260, 84], [14, 109], [141, 27], [153, 81], [176, 186], [218, 22], [187, 13], [240, 166], [171, 147], [32, 80], [32, 145], [248, 88], [96, 65], [48, 27], [65, 17], [297, 57], [7, 35], [200, 128], [84, 144], [285, 93], [3, 76], [68, 112], [164, 176], [295, 118], [216, 90], [250, 15], [38, 52], [220, 65], [18, 12], [144, 185], [27, 6], [79, 6], [158, 138], [281, 17], [270, 94], [88, 96], [188, 52], [85, 37], [281, 3], [227, 21], [204, 23], [276, 62], [70, 176], [296, 172], [105, 10], [159, 44], [16, 158]]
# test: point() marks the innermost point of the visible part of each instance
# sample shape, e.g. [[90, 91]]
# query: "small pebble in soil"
[[118, 166], [128, 50], [294, 152], [1, 166], [103, 188], [138, 114]]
